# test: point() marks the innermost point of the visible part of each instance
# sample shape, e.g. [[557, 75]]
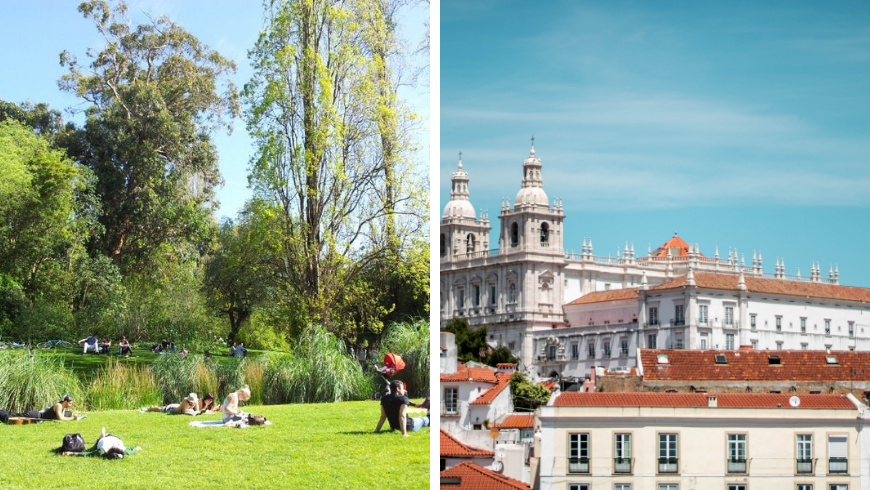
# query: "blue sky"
[[34, 33], [737, 124]]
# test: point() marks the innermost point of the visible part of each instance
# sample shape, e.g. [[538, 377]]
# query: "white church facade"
[[563, 313]]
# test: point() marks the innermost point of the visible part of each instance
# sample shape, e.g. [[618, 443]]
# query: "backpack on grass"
[[72, 443]]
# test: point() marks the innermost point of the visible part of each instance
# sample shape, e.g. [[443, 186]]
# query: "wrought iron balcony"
[[669, 465], [804, 466], [622, 465], [578, 465], [838, 465], [736, 465]]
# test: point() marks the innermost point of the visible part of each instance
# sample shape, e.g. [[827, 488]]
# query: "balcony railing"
[[578, 465], [838, 465], [736, 466], [622, 465], [668, 465], [804, 466], [679, 322]]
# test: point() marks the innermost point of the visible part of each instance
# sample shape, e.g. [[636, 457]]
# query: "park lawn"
[[309, 446]]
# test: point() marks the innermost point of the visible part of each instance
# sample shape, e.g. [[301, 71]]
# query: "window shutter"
[[837, 447]]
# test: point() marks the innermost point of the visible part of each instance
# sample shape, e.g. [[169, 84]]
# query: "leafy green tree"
[[153, 101], [527, 396], [500, 355], [469, 342]]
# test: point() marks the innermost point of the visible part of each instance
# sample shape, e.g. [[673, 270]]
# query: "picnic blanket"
[[240, 424]]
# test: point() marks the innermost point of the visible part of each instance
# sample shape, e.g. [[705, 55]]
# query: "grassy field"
[[309, 446]]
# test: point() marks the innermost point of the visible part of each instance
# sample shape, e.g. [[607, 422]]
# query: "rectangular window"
[[754, 345], [476, 296], [779, 324], [492, 298], [578, 453], [462, 298], [575, 351], [702, 314], [703, 341], [827, 327], [837, 452], [805, 486], [653, 316], [590, 351], [668, 459], [578, 486], [680, 317], [729, 316], [752, 321], [451, 398], [512, 345], [779, 346], [736, 453], [803, 346], [851, 329], [804, 453], [669, 486], [736, 486], [622, 453], [678, 342], [624, 347], [607, 287], [729, 341], [803, 325], [622, 486], [651, 341], [607, 349], [838, 486]]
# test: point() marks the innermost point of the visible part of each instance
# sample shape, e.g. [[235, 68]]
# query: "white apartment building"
[[522, 288], [695, 441]]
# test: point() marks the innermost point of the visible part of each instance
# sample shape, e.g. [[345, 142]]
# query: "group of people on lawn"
[[104, 346]]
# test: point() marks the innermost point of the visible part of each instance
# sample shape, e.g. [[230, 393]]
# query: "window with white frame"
[[651, 341], [754, 345], [838, 486], [578, 486], [653, 315], [703, 340], [512, 345], [729, 315], [804, 346], [622, 486], [590, 350], [607, 349], [827, 327], [752, 321], [804, 453], [736, 486], [668, 456], [669, 486], [804, 486], [680, 317], [779, 324], [851, 329], [702, 314], [451, 398], [736, 453], [779, 346], [803, 325], [729, 341], [607, 287], [578, 452], [623, 344], [678, 341], [837, 454], [622, 453]]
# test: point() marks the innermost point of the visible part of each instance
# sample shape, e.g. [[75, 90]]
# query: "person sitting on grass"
[[124, 346], [394, 408], [108, 446], [54, 412], [105, 345], [230, 407], [188, 406], [206, 404], [90, 343]]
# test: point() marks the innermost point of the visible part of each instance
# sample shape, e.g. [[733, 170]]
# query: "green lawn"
[[309, 446]]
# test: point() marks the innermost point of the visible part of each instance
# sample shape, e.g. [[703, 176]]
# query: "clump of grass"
[[253, 372], [28, 383], [176, 375], [121, 386], [411, 341], [230, 375], [204, 379], [316, 370]]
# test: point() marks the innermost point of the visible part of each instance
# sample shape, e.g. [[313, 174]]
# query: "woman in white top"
[[230, 407]]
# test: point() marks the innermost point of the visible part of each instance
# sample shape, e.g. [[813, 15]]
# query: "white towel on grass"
[[219, 423]]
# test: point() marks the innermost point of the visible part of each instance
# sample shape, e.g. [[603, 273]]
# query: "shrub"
[[121, 386], [411, 341], [28, 383]]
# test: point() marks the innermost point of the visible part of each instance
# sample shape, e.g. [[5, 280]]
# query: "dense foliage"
[[527, 396]]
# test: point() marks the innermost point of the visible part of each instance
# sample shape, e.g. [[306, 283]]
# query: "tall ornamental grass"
[[411, 341], [316, 370], [121, 386], [30, 383], [178, 375]]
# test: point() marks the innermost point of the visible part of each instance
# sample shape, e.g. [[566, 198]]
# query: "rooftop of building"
[[723, 400], [779, 287], [602, 296], [474, 477], [674, 247], [755, 365], [453, 448], [516, 421]]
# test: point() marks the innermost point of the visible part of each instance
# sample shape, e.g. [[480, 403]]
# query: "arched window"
[[545, 235], [443, 247], [515, 235], [469, 247]]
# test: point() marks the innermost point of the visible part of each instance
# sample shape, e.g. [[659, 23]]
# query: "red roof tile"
[[516, 421], [724, 400], [505, 365], [489, 395], [674, 242], [600, 296], [465, 373], [548, 384], [474, 477], [753, 365], [452, 448], [711, 280]]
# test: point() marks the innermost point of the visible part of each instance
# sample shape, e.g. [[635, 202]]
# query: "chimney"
[[712, 401]]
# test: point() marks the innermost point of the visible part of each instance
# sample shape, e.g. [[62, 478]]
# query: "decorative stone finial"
[[690, 277], [741, 283]]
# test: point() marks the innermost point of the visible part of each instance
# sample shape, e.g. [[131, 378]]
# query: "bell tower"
[[463, 235]]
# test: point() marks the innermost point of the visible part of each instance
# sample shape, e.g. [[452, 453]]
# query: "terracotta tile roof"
[[474, 477], [724, 400], [711, 280], [452, 448], [516, 421], [465, 373], [489, 395], [506, 365], [753, 365], [548, 384], [674, 242], [600, 296]]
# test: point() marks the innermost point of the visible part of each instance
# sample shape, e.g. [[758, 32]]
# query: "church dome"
[[532, 195], [532, 191], [459, 205], [461, 209]]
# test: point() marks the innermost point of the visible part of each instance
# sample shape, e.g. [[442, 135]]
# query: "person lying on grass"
[[189, 406], [230, 407], [394, 408], [206, 404], [54, 412], [108, 446]]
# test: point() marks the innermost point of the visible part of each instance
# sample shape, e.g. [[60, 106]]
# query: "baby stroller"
[[393, 364]]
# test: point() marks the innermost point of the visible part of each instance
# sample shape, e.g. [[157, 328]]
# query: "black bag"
[[72, 443], [256, 420]]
